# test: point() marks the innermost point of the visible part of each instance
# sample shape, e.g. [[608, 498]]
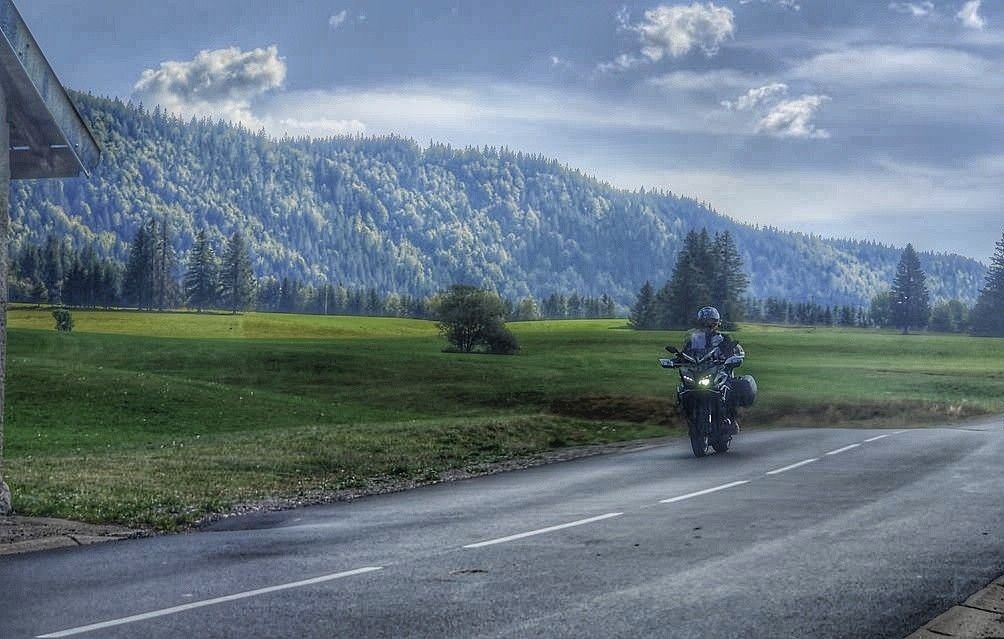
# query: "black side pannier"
[[744, 389]]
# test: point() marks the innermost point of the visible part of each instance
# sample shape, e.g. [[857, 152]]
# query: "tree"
[[473, 319], [987, 317], [165, 263], [880, 310], [202, 278], [54, 266], [688, 288], [140, 273], [643, 311], [728, 279], [237, 279], [911, 306]]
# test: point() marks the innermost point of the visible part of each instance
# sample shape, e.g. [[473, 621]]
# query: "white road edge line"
[[840, 450], [502, 540], [793, 466], [208, 602], [875, 439], [704, 492]]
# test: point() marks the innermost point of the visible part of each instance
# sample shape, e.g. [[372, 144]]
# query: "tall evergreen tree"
[[689, 285], [643, 311], [165, 266], [237, 278], [728, 279], [911, 305], [140, 273], [202, 282], [987, 317], [54, 268]]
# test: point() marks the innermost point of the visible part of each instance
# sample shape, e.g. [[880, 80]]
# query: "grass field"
[[157, 419]]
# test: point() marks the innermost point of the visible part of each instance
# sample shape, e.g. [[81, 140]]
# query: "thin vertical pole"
[[5, 498]]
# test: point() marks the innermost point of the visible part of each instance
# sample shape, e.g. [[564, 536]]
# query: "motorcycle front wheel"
[[721, 432], [699, 428]]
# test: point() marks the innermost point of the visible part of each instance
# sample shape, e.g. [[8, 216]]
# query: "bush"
[[472, 319], [501, 341], [64, 320]]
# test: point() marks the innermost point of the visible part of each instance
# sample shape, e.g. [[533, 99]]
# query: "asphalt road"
[[880, 532]]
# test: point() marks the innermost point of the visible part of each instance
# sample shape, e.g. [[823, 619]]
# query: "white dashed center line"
[[208, 602], [793, 466], [840, 450], [541, 531], [875, 439], [704, 492]]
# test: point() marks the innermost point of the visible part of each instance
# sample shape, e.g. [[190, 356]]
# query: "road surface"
[[793, 533]]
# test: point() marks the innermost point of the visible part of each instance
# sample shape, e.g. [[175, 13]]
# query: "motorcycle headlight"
[[705, 381]]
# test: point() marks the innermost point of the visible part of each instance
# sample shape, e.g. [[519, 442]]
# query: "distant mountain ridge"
[[389, 214]]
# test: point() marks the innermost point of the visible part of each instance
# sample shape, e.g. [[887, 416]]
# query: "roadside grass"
[[158, 419]]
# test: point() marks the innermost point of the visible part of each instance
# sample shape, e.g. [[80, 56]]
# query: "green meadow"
[[158, 419]]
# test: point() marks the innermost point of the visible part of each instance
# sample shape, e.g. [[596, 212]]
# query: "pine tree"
[[689, 286], [165, 266], [140, 271], [54, 268], [202, 281], [643, 311], [987, 317], [729, 280], [911, 306], [237, 278]]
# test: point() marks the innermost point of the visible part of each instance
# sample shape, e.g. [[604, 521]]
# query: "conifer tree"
[[54, 267], [141, 267], [987, 317], [165, 265], [911, 306], [202, 276], [237, 278], [643, 311], [688, 287], [729, 279]]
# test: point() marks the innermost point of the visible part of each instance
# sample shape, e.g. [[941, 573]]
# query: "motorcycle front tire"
[[699, 427], [721, 434]]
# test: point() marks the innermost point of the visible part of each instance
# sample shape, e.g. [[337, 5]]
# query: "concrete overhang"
[[48, 138]]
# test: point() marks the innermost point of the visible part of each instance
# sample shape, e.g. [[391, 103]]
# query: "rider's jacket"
[[700, 342]]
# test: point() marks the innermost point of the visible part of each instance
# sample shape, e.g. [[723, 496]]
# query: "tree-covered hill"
[[389, 214]]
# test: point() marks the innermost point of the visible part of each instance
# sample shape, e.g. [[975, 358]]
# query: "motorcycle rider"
[[707, 337]]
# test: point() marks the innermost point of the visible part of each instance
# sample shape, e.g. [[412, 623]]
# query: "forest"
[[388, 215]]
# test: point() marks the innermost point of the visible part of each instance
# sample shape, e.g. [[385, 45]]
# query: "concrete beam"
[[48, 138]]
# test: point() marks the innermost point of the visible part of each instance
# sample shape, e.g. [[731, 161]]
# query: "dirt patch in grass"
[[892, 413], [662, 411]]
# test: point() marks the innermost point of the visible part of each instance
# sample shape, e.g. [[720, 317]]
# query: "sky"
[[872, 120]]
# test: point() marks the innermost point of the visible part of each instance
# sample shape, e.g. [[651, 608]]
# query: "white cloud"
[[320, 127], [904, 70], [707, 81], [623, 62], [220, 83], [515, 115], [757, 97], [793, 118], [970, 16], [915, 9], [787, 4], [676, 30], [338, 19]]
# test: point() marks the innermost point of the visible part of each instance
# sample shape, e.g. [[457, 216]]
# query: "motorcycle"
[[704, 397]]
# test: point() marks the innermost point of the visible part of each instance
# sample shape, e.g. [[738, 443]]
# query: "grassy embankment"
[[157, 419]]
